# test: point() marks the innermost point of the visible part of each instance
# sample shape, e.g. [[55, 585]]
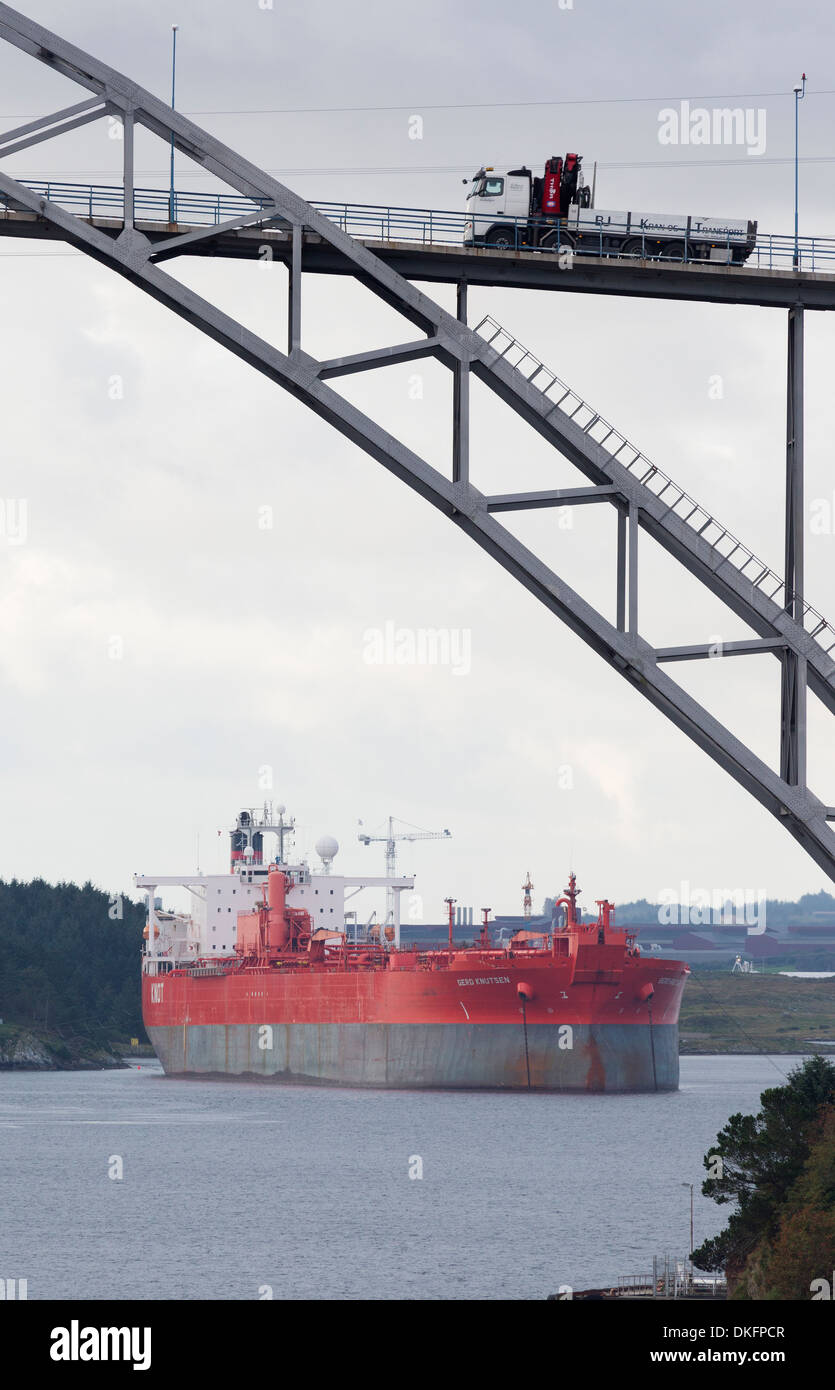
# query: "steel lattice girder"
[[131, 255]]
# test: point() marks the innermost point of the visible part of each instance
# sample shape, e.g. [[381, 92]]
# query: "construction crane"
[[527, 889], [390, 842]]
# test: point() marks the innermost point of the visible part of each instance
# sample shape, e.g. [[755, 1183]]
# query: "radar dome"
[[327, 848]]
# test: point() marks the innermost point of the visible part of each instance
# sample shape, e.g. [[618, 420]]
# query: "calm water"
[[229, 1186]]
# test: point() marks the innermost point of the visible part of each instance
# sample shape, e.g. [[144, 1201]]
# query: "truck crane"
[[390, 842], [515, 209]]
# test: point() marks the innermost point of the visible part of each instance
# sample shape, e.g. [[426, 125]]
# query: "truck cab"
[[514, 208]]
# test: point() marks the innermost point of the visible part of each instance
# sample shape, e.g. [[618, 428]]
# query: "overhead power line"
[[496, 105], [420, 106], [748, 161]]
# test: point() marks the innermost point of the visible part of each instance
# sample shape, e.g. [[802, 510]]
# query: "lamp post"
[[690, 1185], [799, 94], [171, 206]]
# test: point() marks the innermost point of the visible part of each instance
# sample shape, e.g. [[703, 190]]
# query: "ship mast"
[[572, 892], [451, 905], [247, 838]]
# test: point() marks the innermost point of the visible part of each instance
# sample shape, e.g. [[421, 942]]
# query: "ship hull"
[[601, 1057]]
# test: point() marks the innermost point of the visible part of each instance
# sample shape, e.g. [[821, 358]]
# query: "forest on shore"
[[69, 967]]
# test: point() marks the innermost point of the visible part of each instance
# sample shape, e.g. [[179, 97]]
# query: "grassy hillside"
[[755, 1013]]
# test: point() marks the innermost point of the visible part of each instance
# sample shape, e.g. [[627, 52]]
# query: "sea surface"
[[231, 1189]]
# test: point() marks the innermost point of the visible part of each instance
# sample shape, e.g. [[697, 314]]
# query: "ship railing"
[[671, 1278], [156, 965], [634, 1284]]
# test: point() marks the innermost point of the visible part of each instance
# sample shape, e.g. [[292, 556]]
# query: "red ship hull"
[[599, 1020]]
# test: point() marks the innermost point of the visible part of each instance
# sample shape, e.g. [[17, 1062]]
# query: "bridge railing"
[[425, 227], [432, 227], [150, 204]]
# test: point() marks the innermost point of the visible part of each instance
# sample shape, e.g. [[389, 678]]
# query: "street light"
[[799, 94], [171, 207], [691, 1186]]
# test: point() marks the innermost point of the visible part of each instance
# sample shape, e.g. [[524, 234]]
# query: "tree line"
[[70, 960]]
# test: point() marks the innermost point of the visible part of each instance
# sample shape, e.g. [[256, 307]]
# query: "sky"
[[167, 658]]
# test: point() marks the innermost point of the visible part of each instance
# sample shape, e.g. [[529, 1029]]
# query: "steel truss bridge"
[[133, 231]]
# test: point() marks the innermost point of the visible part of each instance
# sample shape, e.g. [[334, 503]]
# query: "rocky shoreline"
[[26, 1049]]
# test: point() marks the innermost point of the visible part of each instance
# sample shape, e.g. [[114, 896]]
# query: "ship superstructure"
[[259, 838]]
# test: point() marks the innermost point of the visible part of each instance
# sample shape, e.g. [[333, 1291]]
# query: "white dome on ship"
[[327, 848]]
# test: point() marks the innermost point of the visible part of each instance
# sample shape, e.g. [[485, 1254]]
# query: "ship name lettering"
[[486, 980]]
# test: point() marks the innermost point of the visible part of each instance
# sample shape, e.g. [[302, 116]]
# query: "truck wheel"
[[637, 247], [554, 241], [674, 251], [503, 238]]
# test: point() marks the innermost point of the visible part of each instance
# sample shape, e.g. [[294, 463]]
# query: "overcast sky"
[[244, 648]]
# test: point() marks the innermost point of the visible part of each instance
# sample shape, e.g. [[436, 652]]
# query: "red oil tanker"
[[298, 999]]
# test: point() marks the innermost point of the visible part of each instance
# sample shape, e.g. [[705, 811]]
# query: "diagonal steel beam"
[[379, 357], [47, 126], [556, 497], [173, 245], [717, 651]]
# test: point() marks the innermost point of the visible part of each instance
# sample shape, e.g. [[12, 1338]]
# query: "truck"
[[515, 209]]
